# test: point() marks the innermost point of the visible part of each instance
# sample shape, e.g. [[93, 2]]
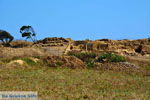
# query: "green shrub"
[[38, 57], [28, 61], [90, 63], [84, 56], [110, 57], [59, 63]]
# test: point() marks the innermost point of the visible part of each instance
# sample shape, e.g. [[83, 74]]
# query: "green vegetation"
[[84, 56], [59, 63], [87, 57], [110, 57], [29, 61], [61, 83], [90, 63], [76, 84], [91, 58]]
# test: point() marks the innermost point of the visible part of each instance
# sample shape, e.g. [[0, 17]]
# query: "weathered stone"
[[64, 61]]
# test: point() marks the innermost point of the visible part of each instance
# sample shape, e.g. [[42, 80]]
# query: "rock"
[[123, 47], [121, 66], [35, 59], [54, 41], [64, 61], [128, 65], [107, 40], [16, 64], [103, 46], [76, 43], [143, 49], [20, 62]]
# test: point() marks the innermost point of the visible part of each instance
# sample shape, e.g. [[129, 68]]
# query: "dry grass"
[[73, 84], [139, 59], [70, 84], [76, 84], [6, 52], [21, 43]]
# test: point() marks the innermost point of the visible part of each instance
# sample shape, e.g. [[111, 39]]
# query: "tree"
[[28, 32], [5, 37]]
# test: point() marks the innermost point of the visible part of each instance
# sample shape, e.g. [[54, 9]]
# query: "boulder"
[[54, 41], [145, 49], [64, 61]]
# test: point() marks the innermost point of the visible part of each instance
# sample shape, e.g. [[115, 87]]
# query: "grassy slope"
[[76, 84]]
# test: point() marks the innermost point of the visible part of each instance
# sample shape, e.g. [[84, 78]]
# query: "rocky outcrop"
[[120, 66], [146, 49], [54, 41], [143, 49], [64, 61], [123, 47]]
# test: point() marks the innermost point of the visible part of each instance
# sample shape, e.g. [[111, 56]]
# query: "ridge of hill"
[[123, 47]]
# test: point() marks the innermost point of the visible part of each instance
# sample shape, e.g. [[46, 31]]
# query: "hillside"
[[64, 69]]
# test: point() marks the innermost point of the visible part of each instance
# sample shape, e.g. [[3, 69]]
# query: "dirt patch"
[[64, 61]]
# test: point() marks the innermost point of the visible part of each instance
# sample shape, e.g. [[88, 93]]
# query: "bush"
[[90, 63], [84, 56], [28, 61], [110, 57], [59, 63]]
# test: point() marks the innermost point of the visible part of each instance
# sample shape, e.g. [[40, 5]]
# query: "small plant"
[[110, 57], [59, 63], [90, 63]]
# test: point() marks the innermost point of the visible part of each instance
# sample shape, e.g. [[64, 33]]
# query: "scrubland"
[[75, 76]]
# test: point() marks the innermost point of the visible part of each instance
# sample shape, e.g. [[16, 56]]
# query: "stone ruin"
[[123, 47], [53, 41]]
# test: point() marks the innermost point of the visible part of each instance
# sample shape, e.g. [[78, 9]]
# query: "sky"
[[78, 19]]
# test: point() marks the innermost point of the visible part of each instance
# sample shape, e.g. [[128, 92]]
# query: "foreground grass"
[[76, 84]]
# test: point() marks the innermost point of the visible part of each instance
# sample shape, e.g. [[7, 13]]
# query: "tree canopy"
[[5, 37], [28, 32]]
